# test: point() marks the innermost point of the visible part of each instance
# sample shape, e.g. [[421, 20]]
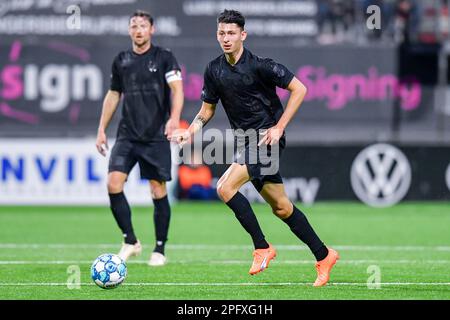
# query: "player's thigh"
[[122, 158], [121, 161], [275, 195], [158, 189], [232, 180]]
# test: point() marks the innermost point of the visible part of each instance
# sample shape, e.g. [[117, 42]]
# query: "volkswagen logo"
[[380, 175]]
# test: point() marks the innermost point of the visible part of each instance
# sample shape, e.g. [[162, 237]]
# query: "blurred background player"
[[148, 78], [246, 85], [195, 179]]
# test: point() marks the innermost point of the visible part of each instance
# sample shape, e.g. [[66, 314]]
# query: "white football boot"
[[157, 259], [129, 250]]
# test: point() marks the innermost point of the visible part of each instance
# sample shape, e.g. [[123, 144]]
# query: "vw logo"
[[380, 175]]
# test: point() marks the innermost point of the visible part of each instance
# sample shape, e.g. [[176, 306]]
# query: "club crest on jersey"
[[152, 66]]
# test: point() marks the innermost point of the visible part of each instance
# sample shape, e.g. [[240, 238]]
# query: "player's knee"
[[224, 191], [282, 208], [115, 185], [221, 192], [158, 193], [158, 190]]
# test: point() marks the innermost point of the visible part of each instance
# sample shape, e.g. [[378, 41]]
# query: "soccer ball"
[[108, 271]]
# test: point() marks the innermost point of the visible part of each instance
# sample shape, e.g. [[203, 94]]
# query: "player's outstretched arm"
[[177, 98], [298, 92], [110, 104], [201, 119]]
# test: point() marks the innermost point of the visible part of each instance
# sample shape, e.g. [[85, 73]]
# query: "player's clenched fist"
[[181, 136]]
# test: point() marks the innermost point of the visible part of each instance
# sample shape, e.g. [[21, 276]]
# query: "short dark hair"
[[231, 16], [143, 14]]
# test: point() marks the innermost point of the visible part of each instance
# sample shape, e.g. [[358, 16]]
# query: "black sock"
[[244, 213], [302, 229], [122, 213], [161, 218]]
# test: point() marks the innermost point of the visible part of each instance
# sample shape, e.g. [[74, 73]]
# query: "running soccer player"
[[148, 78], [245, 84]]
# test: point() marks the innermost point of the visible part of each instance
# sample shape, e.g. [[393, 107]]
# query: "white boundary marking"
[[341, 261], [351, 262], [226, 247], [230, 247], [214, 284]]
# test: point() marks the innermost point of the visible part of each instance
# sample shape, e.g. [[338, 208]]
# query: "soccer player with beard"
[[246, 86], [148, 78]]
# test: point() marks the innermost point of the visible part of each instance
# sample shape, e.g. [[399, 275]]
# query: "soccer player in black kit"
[[245, 84], [148, 78]]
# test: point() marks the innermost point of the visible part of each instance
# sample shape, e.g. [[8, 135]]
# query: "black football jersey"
[[143, 81], [247, 89]]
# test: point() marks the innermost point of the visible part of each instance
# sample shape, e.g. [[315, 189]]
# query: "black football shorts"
[[262, 165], [154, 158]]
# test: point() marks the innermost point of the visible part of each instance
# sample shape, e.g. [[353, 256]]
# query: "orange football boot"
[[324, 267], [261, 259]]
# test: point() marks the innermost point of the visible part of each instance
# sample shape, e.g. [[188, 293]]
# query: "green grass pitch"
[[406, 248]]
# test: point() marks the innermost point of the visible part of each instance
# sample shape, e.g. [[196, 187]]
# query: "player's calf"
[[282, 208]]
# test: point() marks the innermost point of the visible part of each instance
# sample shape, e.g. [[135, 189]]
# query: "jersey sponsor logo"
[[152, 66], [381, 175]]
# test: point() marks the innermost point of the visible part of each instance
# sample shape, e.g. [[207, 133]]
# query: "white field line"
[[342, 261], [215, 284], [225, 247]]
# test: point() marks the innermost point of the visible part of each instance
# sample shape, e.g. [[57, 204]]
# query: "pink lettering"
[[192, 85], [12, 82], [338, 90], [410, 93]]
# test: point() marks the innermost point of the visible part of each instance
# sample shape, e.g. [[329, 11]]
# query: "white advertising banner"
[[62, 171]]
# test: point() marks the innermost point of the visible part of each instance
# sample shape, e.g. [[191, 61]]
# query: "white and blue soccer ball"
[[108, 271]]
